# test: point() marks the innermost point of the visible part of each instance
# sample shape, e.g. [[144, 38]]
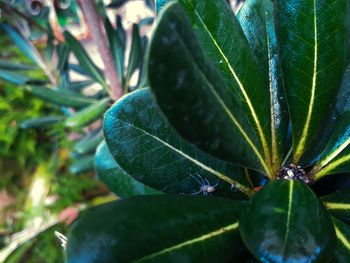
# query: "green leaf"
[[122, 38], [15, 66], [60, 97], [257, 21], [285, 222], [13, 77], [342, 250], [88, 144], [88, 114], [135, 54], [81, 165], [146, 146], [84, 60], [116, 47], [39, 123], [117, 180], [163, 228], [63, 55], [324, 149], [24, 45], [338, 204], [312, 37], [335, 157], [217, 115], [78, 86], [160, 4]]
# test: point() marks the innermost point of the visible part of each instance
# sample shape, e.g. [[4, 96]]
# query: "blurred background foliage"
[[47, 148]]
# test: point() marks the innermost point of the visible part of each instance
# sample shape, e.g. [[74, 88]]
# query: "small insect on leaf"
[[205, 187]]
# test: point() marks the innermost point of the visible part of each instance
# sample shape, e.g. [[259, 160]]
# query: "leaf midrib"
[[244, 189], [241, 87], [191, 242], [224, 106], [301, 145]]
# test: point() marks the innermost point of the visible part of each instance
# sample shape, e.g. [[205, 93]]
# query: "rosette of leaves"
[[81, 106], [245, 122]]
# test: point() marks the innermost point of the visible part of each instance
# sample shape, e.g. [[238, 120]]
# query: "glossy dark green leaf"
[[145, 145], [60, 97], [160, 4], [338, 204], [326, 143], [312, 37], [257, 20], [13, 77], [285, 222], [84, 60], [87, 144], [88, 114], [205, 109], [81, 165], [117, 180], [24, 45], [342, 250], [135, 54], [43, 122], [162, 228], [335, 157]]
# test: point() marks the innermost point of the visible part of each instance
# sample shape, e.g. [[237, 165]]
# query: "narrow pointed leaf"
[[15, 66], [87, 144], [81, 165], [145, 145], [78, 86], [286, 216], [84, 60], [342, 250], [257, 20], [135, 54], [39, 123], [191, 92], [61, 98], [88, 114], [24, 45], [13, 77], [312, 37], [116, 48], [117, 180], [163, 228], [122, 38], [338, 204]]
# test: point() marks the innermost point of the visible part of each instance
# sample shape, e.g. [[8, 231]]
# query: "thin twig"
[[95, 25]]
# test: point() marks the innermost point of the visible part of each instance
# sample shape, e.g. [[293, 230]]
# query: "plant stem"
[[95, 25]]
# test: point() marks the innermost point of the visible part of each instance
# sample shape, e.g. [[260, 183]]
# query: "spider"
[[205, 188]]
